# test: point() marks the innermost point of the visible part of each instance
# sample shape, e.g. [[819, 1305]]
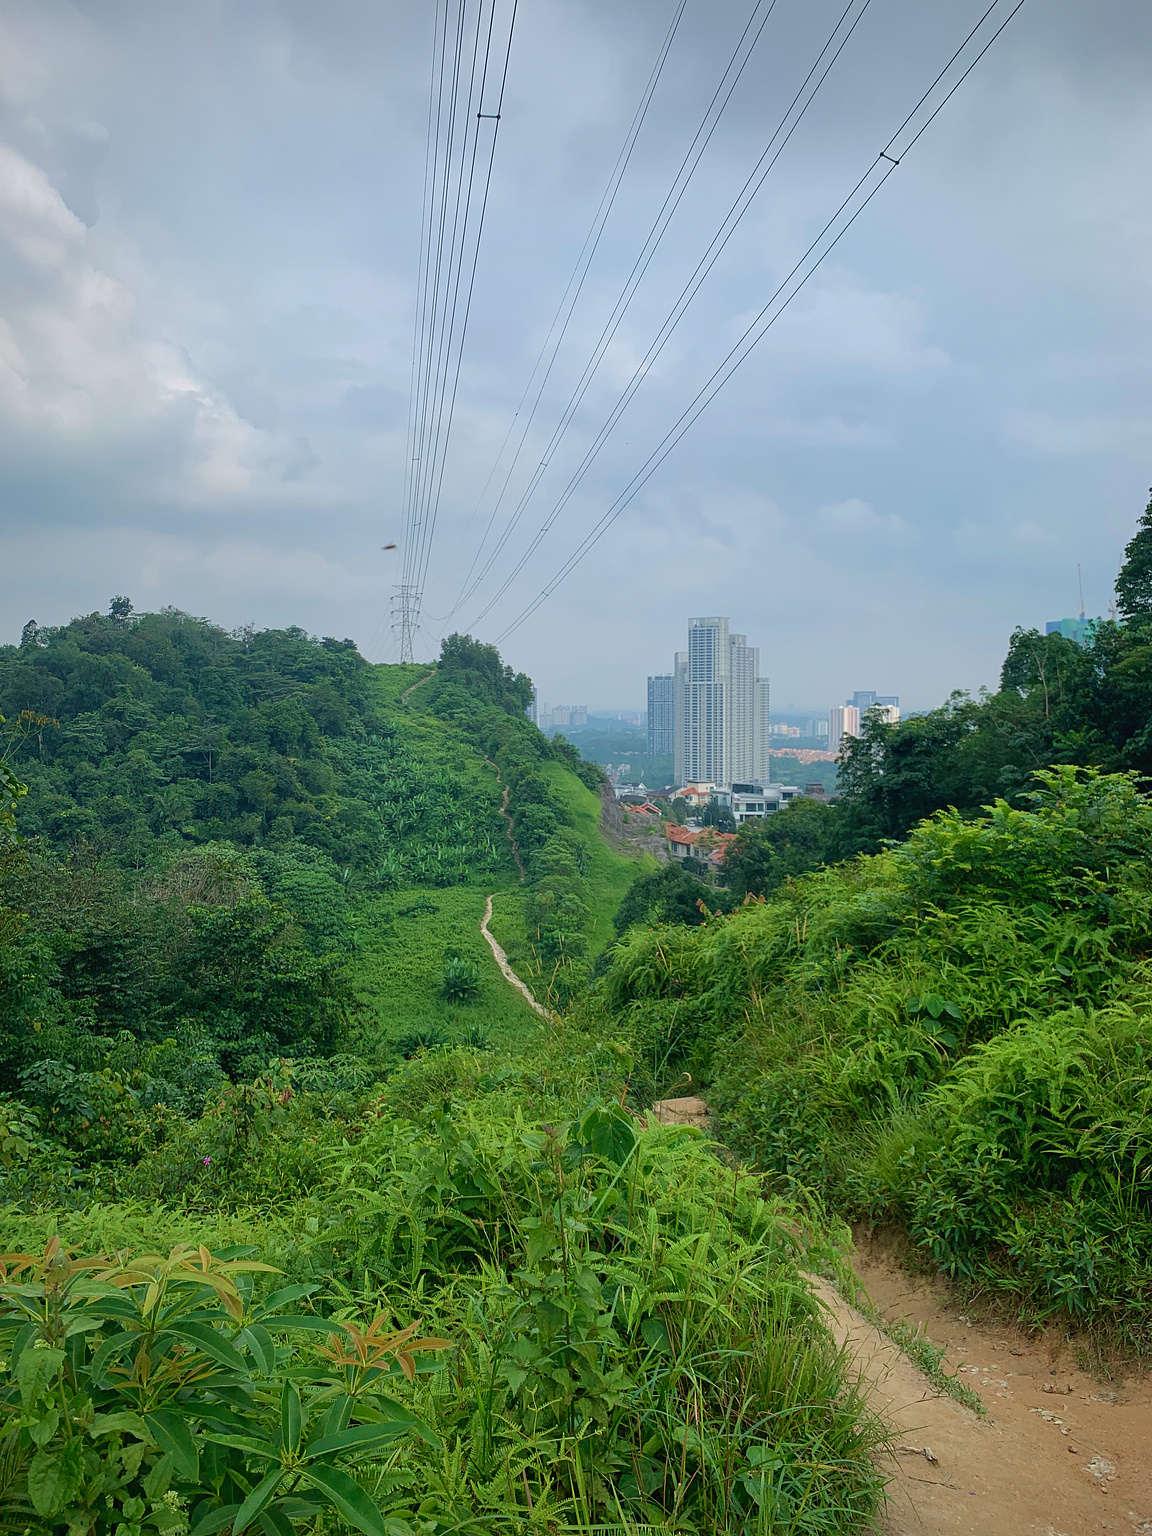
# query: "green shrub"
[[158, 1394]]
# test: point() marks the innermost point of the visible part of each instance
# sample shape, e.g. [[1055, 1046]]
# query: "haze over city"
[[211, 234]]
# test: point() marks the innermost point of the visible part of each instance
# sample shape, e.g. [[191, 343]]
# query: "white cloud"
[[858, 519], [1047, 434], [85, 370], [841, 324]]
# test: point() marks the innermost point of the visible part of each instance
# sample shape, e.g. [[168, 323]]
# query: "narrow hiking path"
[[419, 683], [1059, 1454], [508, 821], [501, 958]]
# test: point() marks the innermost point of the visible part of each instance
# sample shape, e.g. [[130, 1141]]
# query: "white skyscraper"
[[743, 675], [720, 707], [843, 721], [706, 701], [680, 718], [763, 720]]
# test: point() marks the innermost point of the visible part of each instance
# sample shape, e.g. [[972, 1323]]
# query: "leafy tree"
[[718, 816], [1134, 583], [477, 667], [796, 839], [669, 895]]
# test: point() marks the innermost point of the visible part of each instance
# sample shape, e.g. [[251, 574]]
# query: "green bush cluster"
[[121, 991], [631, 1338], [952, 1035]]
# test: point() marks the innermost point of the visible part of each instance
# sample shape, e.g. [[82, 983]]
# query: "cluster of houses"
[[692, 840]]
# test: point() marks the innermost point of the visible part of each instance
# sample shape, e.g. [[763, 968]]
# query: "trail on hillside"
[[508, 821], [501, 958], [419, 683], [1059, 1454]]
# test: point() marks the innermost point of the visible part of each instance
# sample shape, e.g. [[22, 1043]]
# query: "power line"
[[729, 80], [728, 226], [465, 96], [568, 300], [887, 163]]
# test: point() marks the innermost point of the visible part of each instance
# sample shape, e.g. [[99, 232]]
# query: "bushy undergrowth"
[[954, 1035], [632, 1340]]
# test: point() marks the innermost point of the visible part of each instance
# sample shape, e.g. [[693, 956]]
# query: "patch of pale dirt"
[[681, 1112], [1059, 1454], [501, 959]]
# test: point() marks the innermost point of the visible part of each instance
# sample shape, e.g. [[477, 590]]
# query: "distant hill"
[[256, 843]]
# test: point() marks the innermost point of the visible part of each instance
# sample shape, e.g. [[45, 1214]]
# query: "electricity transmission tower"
[[406, 616]]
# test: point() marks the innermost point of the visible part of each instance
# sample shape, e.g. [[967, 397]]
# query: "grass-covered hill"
[[235, 847], [952, 1037], [308, 1223]]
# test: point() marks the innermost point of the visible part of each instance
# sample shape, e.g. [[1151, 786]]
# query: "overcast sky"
[[209, 231]]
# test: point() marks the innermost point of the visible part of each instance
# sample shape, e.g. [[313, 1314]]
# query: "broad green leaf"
[[263, 1350], [386, 1410], [109, 1350], [55, 1477], [246, 1443], [118, 1424], [215, 1520], [36, 1369], [173, 1434], [348, 1498], [291, 1417], [209, 1342], [362, 1437], [282, 1297], [256, 1500], [276, 1523]]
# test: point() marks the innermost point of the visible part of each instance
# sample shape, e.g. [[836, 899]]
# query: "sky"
[[209, 248]]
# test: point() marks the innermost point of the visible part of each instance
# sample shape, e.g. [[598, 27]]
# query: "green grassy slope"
[[400, 952], [401, 939]]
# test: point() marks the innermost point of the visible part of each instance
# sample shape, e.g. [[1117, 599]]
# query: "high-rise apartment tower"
[[661, 723], [719, 708]]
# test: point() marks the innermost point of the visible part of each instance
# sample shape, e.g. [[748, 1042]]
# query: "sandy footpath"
[[1059, 1454]]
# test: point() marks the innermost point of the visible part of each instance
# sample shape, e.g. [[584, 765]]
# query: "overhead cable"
[[850, 209], [721, 96], [542, 368], [465, 106], [791, 120]]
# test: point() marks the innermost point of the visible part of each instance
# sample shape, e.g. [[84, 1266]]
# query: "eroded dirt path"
[[508, 821], [501, 959], [1059, 1454], [419, 683]]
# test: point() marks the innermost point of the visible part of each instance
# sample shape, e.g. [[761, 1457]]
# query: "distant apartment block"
[[661, 714], [719, 707], [843, 720], [866, 699], [568, 714], [1080, 631]]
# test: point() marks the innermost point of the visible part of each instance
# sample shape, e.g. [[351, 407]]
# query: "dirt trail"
[[508, 973], [419, 683], [1059, 1454], [508, 821]]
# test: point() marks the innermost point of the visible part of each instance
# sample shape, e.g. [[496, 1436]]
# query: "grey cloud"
[[205, 330]]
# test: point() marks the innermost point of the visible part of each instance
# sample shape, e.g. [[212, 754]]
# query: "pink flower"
[[207, 1161]]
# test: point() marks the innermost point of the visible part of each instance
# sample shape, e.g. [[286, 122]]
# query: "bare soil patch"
[[1059, 1454]]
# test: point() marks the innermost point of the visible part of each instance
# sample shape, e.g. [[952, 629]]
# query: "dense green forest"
[[310, 1221]]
